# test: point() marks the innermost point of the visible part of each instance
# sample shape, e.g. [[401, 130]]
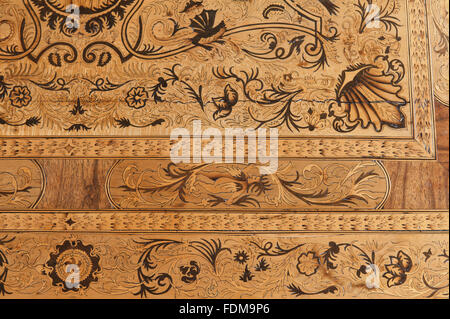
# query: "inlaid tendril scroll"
[[305, 67]]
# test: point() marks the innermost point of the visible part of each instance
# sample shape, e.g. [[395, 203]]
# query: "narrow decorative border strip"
[[250, 221]]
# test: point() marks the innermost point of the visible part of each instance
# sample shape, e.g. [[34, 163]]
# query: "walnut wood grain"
[[75, 184], [439, 36]]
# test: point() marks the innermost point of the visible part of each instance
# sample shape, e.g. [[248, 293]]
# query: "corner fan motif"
[[368, 92]]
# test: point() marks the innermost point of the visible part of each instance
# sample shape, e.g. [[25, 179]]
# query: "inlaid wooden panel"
[[297, 185], [116, 82], [192, 266], [85, 189], [22, 184]]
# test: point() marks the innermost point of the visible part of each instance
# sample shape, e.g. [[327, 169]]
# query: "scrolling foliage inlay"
[[439, 32], [127, 66], [22, 184], [225, 266]]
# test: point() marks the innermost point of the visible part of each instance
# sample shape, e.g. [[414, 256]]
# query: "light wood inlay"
[[218, 265], [357, 90], [439, 34], [335, 83], [297, 185]]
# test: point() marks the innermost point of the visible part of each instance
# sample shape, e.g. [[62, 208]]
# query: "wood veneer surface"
[[85, 175]]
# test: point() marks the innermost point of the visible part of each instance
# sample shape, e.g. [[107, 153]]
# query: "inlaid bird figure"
[[330, 6], [206, 32], [225, 103]]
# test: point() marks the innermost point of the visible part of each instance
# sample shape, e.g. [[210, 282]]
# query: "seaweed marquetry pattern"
[[160, 148], [224, 266], [315, 71], [297, 184]]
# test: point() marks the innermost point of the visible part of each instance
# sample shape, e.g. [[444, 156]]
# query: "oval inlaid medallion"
[[297, 185]]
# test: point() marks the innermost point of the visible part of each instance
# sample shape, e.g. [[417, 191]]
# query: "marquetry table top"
[[92, 204]]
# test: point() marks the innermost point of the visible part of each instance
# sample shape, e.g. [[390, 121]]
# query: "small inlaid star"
[[70, 222]]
